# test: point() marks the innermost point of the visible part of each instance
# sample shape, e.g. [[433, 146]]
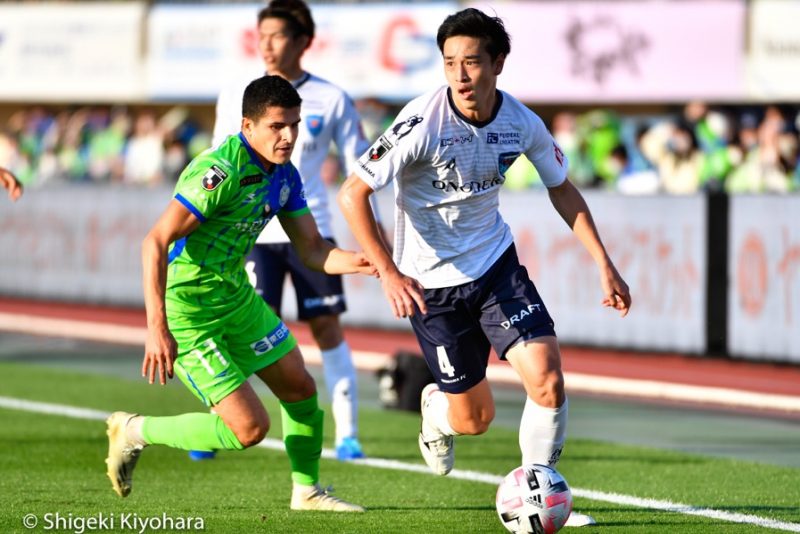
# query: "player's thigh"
[[288, 378], [205, 363], [267, 267], [258, 337], [513, 310], [452, 341], [318, 294]]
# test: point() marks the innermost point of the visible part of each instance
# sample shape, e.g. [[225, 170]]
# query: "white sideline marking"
[[472, 476], [371, 361]]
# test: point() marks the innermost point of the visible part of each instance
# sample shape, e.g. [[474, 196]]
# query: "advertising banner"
[[773, 58], [74, 52], [764, 277], [623, 51], [195, 49]]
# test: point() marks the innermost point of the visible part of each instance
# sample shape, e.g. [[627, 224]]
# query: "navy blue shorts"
[[317, 293], [463, 322]]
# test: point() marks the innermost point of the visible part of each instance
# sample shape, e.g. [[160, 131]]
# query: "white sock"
[[133, 430], [542, 432], [436, 414], [340, 381]]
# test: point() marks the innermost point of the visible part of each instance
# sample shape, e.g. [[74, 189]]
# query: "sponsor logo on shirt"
[[402, 129], [380, 148], [457, 140], [519, 316], [213, 178], [505, 160], [366, 169], [314, 123], [467, 187], [508, 138], [559, 154], [250, 180], [268, 342]]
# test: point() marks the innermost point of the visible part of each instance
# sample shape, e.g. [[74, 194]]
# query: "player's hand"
[[160, 351], [10, 182], [403, 292], [363, 265], [617, 294]]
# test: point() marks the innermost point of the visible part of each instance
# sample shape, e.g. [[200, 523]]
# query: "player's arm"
[[570, 204], [160, 347], [401, 291], [9, 182], [318, 253]]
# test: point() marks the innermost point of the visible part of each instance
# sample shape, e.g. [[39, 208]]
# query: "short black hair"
[[472, 22], [296, 14], [266, 92]]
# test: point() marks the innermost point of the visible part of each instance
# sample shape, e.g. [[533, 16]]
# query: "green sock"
[[190, 431], [302, 435]]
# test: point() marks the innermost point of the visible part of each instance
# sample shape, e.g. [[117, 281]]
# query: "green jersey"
[[234, 197]]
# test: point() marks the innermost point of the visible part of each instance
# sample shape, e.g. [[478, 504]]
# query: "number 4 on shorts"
[[444, 362]]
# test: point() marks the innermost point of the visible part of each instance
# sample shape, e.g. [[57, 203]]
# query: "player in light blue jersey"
[[286, 30], [455, 270]]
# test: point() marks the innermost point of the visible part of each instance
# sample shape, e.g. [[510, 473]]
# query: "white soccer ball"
[[533, 499]]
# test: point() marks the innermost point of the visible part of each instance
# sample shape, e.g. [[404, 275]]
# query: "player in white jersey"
[[455, 271], [286, 30]]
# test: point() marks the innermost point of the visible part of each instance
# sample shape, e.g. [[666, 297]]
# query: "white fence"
[[83, 244]]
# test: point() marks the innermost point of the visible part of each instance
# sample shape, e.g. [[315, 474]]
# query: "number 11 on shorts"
[[444, 362]]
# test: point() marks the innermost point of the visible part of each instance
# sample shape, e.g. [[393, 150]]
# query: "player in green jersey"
[[205, 322]]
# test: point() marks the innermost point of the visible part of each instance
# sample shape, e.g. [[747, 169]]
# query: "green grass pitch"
[[52, 464]]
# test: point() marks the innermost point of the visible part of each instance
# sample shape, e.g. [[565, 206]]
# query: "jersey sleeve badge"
[[213, 178]]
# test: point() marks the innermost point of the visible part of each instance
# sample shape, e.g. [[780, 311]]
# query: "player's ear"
[[499, 62], [247, 125]]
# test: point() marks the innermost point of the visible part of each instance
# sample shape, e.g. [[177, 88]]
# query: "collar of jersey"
[[253, 156], [478, 124], [299, 81]]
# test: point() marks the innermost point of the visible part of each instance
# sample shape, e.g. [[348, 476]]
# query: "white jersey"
[[447, 173], [327, 114]]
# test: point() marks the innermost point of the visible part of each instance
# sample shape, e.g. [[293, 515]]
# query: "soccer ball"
[[533, 499]]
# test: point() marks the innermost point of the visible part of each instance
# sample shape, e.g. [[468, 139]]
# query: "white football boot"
[[122, 453], [437, 450], [576, 519], [318, 499]]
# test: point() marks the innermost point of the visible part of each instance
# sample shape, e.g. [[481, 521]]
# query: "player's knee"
[[548, 391], [252, 433], [476, 422], [326, 331]]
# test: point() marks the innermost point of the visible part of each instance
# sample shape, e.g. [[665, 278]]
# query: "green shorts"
[[214, 359]]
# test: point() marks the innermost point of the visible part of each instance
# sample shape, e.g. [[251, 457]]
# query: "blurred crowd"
[[695, 148], [100, 144]]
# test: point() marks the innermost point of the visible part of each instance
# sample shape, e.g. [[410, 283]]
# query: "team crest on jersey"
[[402, 129], [314, 123], [380, 148], [505, 160], [213, 178], [284, 195]]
